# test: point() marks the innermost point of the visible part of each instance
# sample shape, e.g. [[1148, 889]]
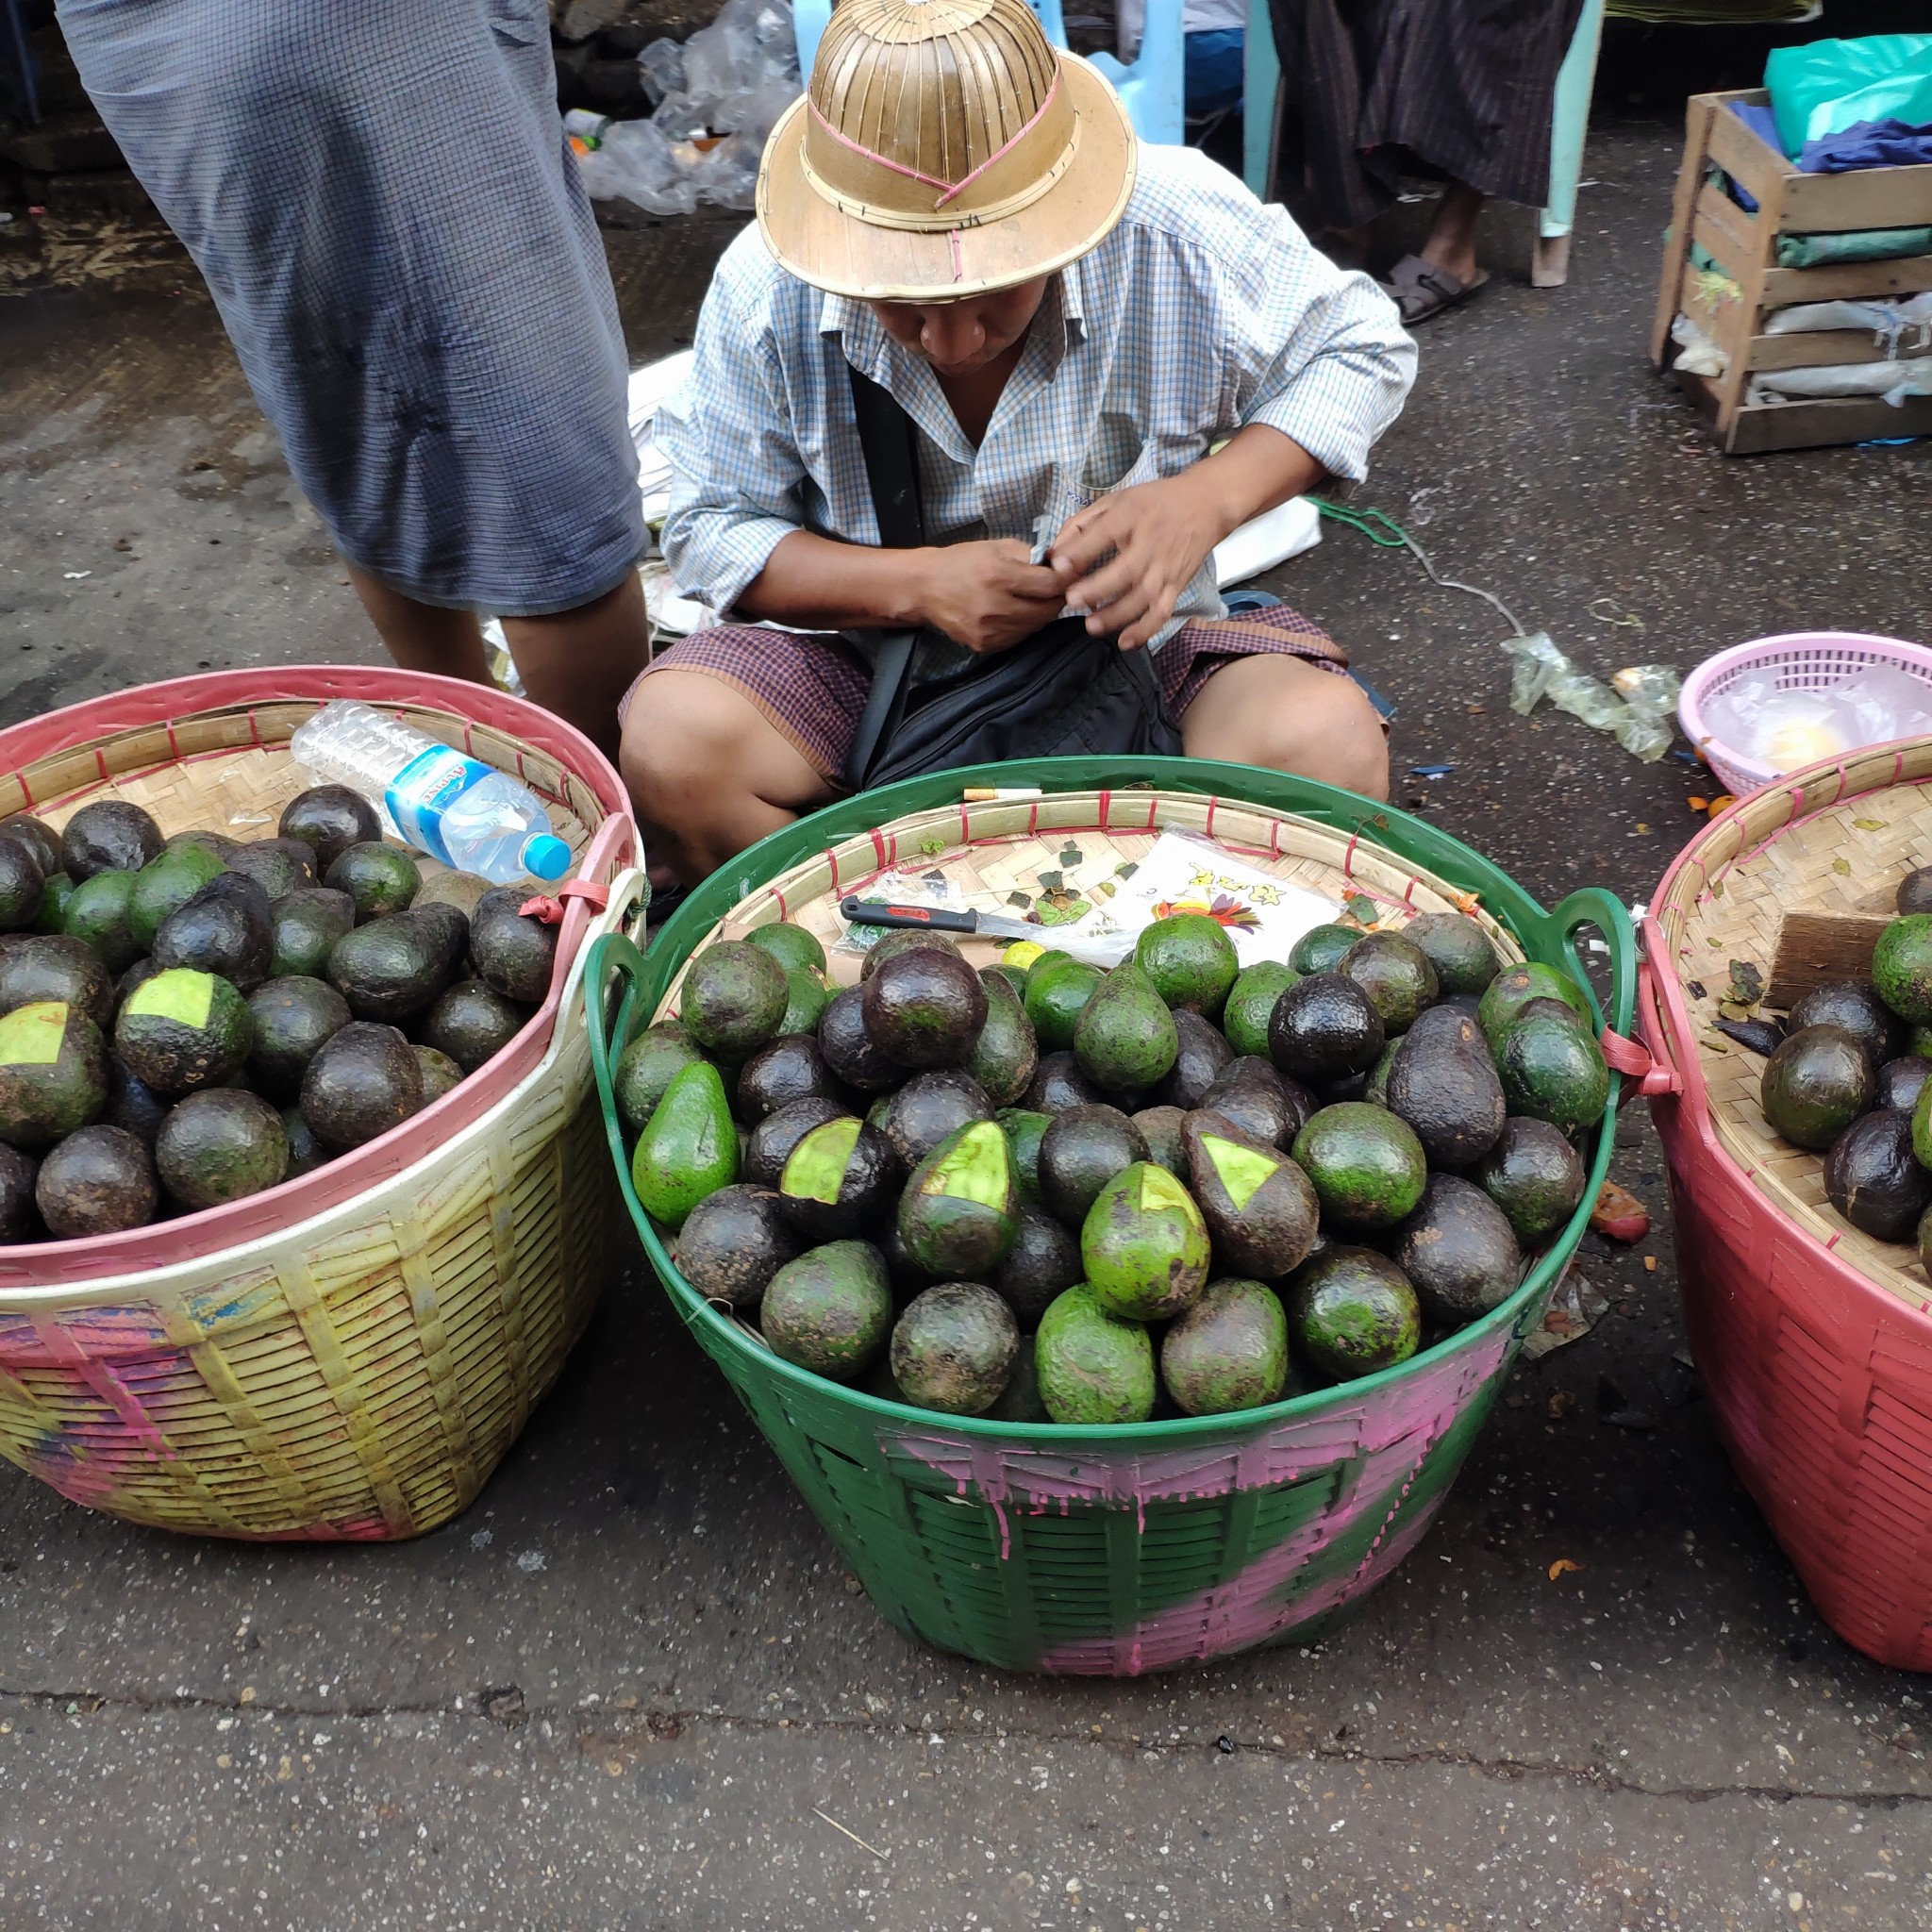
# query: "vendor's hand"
[[1127, 559], [987, 595]]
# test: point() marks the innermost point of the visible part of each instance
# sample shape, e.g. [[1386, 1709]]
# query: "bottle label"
[[425, 789]]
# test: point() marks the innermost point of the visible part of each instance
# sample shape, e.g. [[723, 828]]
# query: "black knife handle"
[[933, 918]]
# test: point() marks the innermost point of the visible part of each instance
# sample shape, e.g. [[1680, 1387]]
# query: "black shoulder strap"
[[891, 445]]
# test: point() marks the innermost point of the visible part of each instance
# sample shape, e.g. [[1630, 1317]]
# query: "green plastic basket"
[[1114, 1551]]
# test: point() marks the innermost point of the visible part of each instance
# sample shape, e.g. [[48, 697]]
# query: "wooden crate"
[[1746, 246]]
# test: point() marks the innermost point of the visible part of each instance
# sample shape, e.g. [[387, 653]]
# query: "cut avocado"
[[1145, 1246], [98, 915], [1189, 960], [689, 1147], [830, 1310], [110, 835], [164, 886], [732, 1244], [953, 1349], [960, 1209], [1228, 1351], [51, 966], [98, 1180], [806, 997], [1352, 1312], [924, 1008], [772, 1140], [1126, 1038], [330, 819], [293, 1018], [181, 1030], [1260, 1206], [220, 1146], [735, 996], [53, 1073], [1080, 1152], [838, 1180], [1367, 1165], [1092, 1367], [379, 878], [362, 1081]]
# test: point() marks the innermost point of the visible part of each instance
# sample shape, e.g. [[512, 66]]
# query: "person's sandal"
[[1421, 290]]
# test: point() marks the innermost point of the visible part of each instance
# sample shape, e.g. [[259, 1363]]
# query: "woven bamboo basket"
[[1814, 1342], [1120, 1550], [350, 1354]]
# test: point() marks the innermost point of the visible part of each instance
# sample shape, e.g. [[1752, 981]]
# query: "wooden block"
[[1760, 428], [1817, 949], [1815, 349], [1723, 228], [1865, 198], [1849, 281], [1697, 115]]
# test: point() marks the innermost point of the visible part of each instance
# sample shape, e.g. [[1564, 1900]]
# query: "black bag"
[[1058, 693]]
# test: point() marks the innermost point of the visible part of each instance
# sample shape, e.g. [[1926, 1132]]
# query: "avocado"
[[1322, 948], [1459, 1252], [132, 1105], [1325, 1027], [446, 932], [1160, 1127], [786, 1069], [1817, 1083], [959, 1213], [164, 886], [1021, 1401], [1059, 1083], [39, 837], [1859, 1010], [1260, 1102], [772, 1140], [1376, 1084], [1145, 1246], [23, 887], [732, 1244], [1251, 1006], [1443, 1083], [440, 1074], [1902, 967], [897, 939], [110, 835], [734, 997], [1057, 989], [388, 970], [20, 1216], [1872, 1179], [51, 966], [97, 915], [791, 945], [181, 1030], [1006, 1054], [830, 1310], [330, 819], [1260, 1206], [1514, 987], [644, 1070], [99, 1180], [1015, 977], [1367, 1165], [279, 866], [1191, 961], [1043, 1261], [953, 1349], [1535, 1176], [924, 1008], [1352, 1312], [303, 926], [379, 878], [1914, 891], [1458, 949], [305, 1153], [1553, 1071], [1081, 1151], [1228, 1351], [55, 899], [220, 1146], [216, 844], [465, 891], [806, 997], [224, 929], [362, 1081], [689, 1147], [1899, 1082], [292, 1018], [1092, 1367], [1024, 1129], [472, 1022], [1396, 974], [848, 1048], [838, 1180], [929, 1109], [1126, 1036]]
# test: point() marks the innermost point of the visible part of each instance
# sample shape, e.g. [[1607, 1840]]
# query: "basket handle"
[[613, 956], [1594, 906], [1666, 1022], [612, 847]]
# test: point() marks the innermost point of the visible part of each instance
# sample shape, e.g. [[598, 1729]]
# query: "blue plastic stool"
[[1569, 123], [1151, 90]]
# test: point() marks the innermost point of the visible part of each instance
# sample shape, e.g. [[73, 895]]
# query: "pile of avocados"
[[187, 1021], [1042, 1192], [1849, 1075]]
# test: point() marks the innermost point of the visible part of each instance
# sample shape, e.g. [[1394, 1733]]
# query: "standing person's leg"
[[1450, 245], [424, 636]]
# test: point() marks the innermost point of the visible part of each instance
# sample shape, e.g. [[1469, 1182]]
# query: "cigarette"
[[988, 794]]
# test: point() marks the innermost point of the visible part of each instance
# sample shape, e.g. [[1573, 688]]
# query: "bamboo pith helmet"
[[943, 148]]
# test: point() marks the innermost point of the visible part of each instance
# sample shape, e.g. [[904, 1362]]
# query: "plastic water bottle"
[[458, 810]]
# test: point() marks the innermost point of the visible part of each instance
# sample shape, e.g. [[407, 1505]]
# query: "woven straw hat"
[[942, 149]]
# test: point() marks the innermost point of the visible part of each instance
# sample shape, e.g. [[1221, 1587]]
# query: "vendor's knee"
[[1339, 739], [681, 745], [1290, 716]]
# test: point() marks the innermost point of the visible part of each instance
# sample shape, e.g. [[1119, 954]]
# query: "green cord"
[[1387, 534]]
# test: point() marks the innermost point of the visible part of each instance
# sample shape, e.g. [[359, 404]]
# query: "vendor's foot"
[[1421, 289]]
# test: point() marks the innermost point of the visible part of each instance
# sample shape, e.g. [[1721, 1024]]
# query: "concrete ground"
[[633, 1687]]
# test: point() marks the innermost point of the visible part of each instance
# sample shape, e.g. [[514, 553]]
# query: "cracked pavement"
[[634, 1687]]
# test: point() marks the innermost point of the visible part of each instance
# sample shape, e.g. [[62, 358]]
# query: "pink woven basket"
[[1803, 660]]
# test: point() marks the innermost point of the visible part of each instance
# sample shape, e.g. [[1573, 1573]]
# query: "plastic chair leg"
[[1261, 101], [1570, 122]]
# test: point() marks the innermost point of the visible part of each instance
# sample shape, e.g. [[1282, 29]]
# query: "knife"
[[1108, 948]]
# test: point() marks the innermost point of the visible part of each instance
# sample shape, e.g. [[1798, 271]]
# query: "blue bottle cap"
[[546, 857]]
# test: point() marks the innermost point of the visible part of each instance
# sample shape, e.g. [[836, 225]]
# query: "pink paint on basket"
[[1801, 660]]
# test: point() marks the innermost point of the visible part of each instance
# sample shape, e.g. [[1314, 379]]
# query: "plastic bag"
[[1896, 321], [1701, 356], [1785, 729], [636, 162], [662, 63], [1831, 85], [1639, 720], [1650, 697], [1891, 381]]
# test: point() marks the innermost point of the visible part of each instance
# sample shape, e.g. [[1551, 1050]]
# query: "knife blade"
[[1100, 950]]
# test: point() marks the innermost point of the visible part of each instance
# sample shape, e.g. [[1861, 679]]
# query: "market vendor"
[[1072, 323]]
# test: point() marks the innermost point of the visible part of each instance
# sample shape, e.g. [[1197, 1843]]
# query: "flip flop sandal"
[[1421, 290]]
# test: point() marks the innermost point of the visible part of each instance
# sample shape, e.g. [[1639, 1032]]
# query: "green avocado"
[[180, 1030], [1902, 968], [380, 878], [98, 1180], [806, 998], [644, 1069], [1535, 1176], [330, 818], [689, 1147], [303, 926], [472, 1022], [440, 1074], [1443, 1083], [1396, 976], [1552, 1070], [960, 1209], [1092, 1367], [1228, 1351], [924, 1008], [1514, 988], [1457, 948], [1251, 1004], [734, 998], [1191, 961], [792, 947], [1057, 988], [110, 835], [1377, 1091], [1080, 1152], [1459, 1251], [1817, 1083], [1025, 1130], [1352, 1312], [23, 887], [163, 885], [1368, 1167], [1872, 1178], [388, 969], [830, 1310], [220, 1146], [1006, 1054], [954, 1348], [1145, 1246], [1126, 1036], [1322, 948], [53, 1073], [293, 1018], [97, 915], [364, 1081], [55, 901], [51, 966], [1325, 1027], [838, 1180], [1260, 1206], [732, 1244]]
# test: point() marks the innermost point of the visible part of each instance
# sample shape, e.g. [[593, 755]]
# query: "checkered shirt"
[[1201, 313]]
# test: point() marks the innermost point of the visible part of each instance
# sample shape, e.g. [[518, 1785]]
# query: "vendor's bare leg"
[[1289, 716], [579, 663], [424, 636], [708, 772], [1451, 246]]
